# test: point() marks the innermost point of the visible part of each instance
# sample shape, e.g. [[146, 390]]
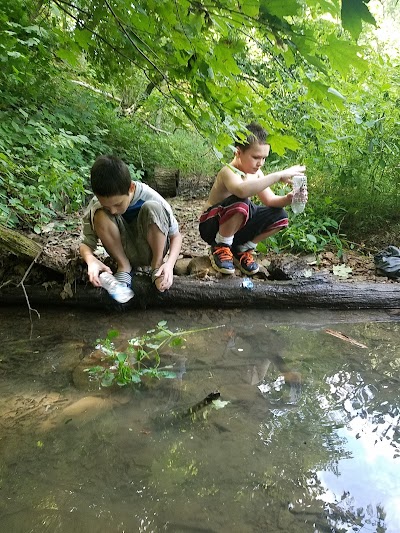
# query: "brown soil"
[[187, 211], [62, 237]]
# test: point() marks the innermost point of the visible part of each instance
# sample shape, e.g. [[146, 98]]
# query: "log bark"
[[18, 244], [21, 246], [223, 293], [166, 181]]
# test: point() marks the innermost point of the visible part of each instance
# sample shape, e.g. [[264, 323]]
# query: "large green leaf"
[[280, 143], [353, 13], [281, 8], [343, 55]]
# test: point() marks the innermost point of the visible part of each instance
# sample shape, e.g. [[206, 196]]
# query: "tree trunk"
[[166, 181], [224, 293]]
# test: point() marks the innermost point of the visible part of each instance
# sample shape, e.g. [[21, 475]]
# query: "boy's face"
[[118, 204], [252, 159]]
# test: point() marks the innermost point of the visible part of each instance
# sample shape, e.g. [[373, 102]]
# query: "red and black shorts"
[[256, 219]]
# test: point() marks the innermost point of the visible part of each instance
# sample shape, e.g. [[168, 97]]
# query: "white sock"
[[219, 239], [249, 245]]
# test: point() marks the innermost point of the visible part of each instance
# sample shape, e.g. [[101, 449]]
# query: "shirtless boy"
[[231, 223]]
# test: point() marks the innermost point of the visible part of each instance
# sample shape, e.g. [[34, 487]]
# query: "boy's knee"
[[154, 213], [102, 219]]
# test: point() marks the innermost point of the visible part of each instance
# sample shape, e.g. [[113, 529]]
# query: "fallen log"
[[221, 293], [22, 246], [16, 243]]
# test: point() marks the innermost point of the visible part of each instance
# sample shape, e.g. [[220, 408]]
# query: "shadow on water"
[[303, 438]]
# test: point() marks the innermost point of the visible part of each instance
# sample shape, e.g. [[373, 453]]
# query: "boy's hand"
[[288, 173], [95, 266], [165, 277]]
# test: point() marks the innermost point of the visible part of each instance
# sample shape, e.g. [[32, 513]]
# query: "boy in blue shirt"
[[134, 223]]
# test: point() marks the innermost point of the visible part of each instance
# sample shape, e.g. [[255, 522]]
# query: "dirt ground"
[[61, 238], [187, 211]]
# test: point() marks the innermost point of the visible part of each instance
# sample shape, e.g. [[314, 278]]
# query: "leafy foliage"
[[196, 54], [309, 232], [145, 80], [141, 358]]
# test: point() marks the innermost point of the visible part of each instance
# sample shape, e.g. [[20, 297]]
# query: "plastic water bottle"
[[247, 284], [299, 199], [117, 290]]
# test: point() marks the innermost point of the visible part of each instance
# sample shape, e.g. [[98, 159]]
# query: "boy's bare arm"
[[175, 243], [271, 199], [243, 188], [166, 270], [95, 266]]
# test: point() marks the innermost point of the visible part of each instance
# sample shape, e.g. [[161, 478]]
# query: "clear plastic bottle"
[[300, 194], [247, 284], [117, 290]]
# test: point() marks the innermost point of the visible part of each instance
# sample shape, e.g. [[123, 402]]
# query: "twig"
[[21, 283]]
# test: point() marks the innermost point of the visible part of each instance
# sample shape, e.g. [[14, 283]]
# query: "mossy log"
[[223, 293], [18, 244], [53, 257]]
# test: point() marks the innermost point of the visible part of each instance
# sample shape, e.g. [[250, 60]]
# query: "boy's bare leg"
[[156, 240], [109, 234], [243, 258]]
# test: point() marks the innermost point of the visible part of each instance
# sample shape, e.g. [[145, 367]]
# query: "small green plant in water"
[[141, 357]]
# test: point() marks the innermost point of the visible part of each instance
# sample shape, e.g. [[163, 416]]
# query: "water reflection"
[[365, 487], [309, 440]]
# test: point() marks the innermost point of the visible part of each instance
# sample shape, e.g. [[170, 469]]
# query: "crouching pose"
[[231, 223], [134, 223]]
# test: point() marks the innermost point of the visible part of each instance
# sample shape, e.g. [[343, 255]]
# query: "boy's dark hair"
[[257, 135], [110, 176]]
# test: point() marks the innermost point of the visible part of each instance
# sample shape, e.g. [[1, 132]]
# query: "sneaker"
[[222, 259], [245, 262], [117, 290]]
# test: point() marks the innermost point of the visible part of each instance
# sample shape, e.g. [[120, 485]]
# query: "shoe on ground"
[[246, 263], [222, 259]]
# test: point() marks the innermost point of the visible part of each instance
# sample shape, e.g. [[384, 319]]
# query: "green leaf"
[[161, 335], [166, 374], [121, 357], [342, 55], [83, 38], [68, 56], [112, 334], [280, 8], [250, 7], [107, 379], [94, 370], [279, 143], [353, 13], [177, 341], [336, 93], [220, 404]]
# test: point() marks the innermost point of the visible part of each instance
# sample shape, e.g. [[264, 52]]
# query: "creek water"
[[305, 436]]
